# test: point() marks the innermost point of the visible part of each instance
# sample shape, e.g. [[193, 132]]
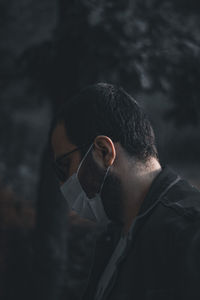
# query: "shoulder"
[[179, 220], [177, 215], [182, 201]]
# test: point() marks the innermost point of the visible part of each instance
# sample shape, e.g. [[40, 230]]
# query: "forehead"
[[60, 141]]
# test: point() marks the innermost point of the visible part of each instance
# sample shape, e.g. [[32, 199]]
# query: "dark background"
[[48, 51]]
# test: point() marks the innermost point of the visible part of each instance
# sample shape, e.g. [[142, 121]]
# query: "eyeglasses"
[[61, 164]]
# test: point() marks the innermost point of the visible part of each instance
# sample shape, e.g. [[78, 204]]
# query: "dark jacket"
[[162, 261]]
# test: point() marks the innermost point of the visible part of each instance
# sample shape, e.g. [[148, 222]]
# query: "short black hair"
[[106, 109]]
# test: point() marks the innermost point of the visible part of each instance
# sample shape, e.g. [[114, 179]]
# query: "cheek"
[[91, 176], [74, 164]]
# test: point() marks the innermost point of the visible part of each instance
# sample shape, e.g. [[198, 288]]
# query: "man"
[[109, 171]]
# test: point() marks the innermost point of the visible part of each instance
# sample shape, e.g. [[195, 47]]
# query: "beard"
[[111, 196], [91, 176]]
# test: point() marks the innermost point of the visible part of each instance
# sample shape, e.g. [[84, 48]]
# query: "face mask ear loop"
[[104, 179], [83, 160]]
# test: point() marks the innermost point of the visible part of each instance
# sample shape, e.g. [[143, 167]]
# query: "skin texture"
[[128, 179]]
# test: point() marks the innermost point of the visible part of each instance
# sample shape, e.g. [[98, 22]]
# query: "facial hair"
[[112, 198], [91, 176]]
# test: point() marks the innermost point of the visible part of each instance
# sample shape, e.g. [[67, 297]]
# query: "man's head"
[[107, 117]]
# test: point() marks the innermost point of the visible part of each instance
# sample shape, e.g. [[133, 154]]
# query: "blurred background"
[[49, 50]]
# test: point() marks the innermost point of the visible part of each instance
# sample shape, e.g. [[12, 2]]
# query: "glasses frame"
[[56, 164]]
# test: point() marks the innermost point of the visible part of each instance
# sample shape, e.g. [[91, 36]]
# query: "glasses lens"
[[61, 165], [60, 171]]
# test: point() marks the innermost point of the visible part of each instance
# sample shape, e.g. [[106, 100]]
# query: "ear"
[[104, 150]]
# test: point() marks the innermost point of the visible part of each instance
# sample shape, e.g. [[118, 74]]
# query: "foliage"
[[146, 46]]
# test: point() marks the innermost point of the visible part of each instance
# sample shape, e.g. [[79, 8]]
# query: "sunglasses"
[[61, 164]]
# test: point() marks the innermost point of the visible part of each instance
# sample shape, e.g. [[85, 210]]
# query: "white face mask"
[[89, 208]]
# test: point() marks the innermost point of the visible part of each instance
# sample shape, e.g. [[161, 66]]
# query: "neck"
[[135, 188]]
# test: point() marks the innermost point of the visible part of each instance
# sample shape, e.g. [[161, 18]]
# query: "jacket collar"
[[160, 184], [163, 181]]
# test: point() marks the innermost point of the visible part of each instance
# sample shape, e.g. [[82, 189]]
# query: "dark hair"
[[106, 109]]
